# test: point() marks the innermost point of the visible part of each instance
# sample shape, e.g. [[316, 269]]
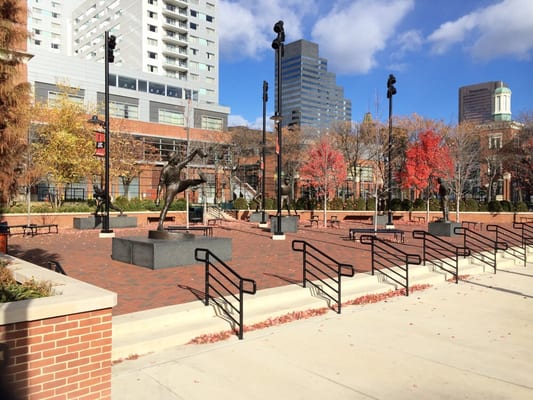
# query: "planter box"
[[50, 338]]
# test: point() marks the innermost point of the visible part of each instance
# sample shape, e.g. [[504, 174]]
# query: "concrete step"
[[153, 330]]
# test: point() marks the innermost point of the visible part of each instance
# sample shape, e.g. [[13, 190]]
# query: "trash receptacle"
[[3, 237], [196, 214]]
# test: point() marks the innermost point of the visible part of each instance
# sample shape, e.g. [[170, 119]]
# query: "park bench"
[[314, 220], [35, 229], [156, 219], [399, 235], [214, 221], [334, 221], [13, 229], [207, 230]]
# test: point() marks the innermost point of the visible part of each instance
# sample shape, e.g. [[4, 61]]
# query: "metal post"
[[277, 44], [391, 91], [263, 155], [105, 226]]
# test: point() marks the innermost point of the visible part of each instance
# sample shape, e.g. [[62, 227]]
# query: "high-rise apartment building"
[[310, 96], [165, 65], [485, 102]]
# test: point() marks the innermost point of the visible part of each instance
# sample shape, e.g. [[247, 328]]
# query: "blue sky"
[[433, 47]]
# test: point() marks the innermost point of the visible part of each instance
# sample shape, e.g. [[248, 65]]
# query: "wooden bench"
[[399, 235], [418, 219], [168, 218], [207, 230], [34, 229], [357, 217], [334, 221], [214, 221], [4, 228], [314, 220]]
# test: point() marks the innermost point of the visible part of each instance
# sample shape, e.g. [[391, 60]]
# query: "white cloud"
[[239, 120], [246, 26], [351, 36], [503, 29]]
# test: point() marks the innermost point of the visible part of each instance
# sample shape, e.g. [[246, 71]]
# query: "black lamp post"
[[277, 44], [110, 42], [391, 91], [263, 155]]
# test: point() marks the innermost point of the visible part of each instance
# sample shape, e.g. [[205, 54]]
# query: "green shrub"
[[371, 204], [419, 205], [240, 203], [506, 205], [520, 207], [396, 205], [177, 205], [349, 204], [11, 290], [434, 205], [470, 205], [483, 207], [407, 205], [75, 207], [494, 206], [270, 204], [336, 204]]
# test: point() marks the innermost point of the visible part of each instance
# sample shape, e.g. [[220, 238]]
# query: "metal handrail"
[[515, 241], [227, 280], [526, 229], [438, 251], [388, 256], [477, 243], [317, 268]]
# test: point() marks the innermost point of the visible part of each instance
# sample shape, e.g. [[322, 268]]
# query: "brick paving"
[[271, 263]]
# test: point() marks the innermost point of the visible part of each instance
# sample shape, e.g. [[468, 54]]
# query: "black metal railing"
[[222, 280], [481, 247], [323, 269], [390, 260], [441, 253], [526, 231], [513, 239], [55, 266]]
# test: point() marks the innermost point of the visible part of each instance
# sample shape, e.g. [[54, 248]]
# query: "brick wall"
[[64, 357]]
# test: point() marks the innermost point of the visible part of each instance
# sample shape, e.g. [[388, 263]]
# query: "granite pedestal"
[[257, 216], [165, 253], [97, 221], [289, 224], [442, 228]]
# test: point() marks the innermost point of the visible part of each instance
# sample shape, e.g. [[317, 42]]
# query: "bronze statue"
[[286, 195], [170, 178], [100, 197], [443, 194]]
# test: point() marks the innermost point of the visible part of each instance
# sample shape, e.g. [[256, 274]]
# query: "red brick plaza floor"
[[271, 263]]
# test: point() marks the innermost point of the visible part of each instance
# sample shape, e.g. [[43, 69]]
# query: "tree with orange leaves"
[[426, 159], [325, 170]]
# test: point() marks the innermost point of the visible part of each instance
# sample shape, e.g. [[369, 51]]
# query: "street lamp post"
[[263, 155], [277, 44], [391, 91]]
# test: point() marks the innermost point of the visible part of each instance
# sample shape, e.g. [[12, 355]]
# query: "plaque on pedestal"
[[289, 224], [442, 228]]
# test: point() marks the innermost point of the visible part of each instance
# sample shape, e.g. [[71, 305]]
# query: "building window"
[[37, 42], [142, 86], [211, 123], [152, 14], [495, 142], [152, 68], [156, 88], [152, 55], [54, 97], [193, 25], [194, 13], [54, 46], [173, 91], [152, 28], [151, 42], [123, 110], [171, 117], [127, 83]]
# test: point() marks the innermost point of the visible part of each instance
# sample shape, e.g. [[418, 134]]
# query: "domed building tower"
[[501, 104]]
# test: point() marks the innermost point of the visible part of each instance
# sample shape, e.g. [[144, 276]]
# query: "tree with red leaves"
[[326, 170], [426, 159]]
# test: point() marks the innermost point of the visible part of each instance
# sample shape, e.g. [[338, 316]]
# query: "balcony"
[[176, 51], [170, 64], [175, 38]]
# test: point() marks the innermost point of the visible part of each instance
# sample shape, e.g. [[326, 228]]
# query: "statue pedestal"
[[174, 250], [257, 215], [289, 224], [442, 228], [97, 221]]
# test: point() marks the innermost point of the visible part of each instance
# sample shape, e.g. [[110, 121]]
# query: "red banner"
[[99, 138]]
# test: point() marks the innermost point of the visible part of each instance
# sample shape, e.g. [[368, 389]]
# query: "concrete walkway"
[[473, 340]]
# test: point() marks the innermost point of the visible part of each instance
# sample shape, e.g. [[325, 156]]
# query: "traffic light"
[[391, 90], [111, 44]]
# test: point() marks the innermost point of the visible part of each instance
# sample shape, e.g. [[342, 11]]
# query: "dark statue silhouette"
[[170, 179], [443, 195], [100, 197]]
